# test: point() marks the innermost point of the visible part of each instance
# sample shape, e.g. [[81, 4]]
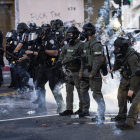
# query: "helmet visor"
[[32, 36], [9, 34]]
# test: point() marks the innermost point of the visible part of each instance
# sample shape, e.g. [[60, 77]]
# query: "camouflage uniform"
[[91, 63], [128, 64], [68, 53]]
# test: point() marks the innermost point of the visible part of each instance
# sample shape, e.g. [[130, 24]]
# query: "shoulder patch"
[[15, 42], [70, 50], [52, 41]]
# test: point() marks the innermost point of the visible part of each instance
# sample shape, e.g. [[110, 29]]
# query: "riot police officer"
[[59, 31], [33, 46], [69, 52], [32, 25], [11, 43], [48, 50], [127, 60], [90, 72], [51, 22], [20, 71]]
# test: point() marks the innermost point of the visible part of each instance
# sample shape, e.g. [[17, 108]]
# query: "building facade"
[[70, 12]]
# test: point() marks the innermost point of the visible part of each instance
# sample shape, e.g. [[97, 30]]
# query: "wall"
[[43, 11]]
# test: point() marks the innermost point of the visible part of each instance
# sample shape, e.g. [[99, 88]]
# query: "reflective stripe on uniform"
[[70, 50], [97, 53]]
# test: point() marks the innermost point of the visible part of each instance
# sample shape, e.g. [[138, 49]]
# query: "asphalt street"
[[18, 123]]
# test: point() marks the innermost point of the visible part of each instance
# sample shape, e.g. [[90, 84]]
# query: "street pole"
[[120, 7], [107, 18]]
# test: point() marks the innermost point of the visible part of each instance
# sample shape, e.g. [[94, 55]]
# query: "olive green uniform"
[[134, 110], [68, 53], [128, 64], [91, 63]]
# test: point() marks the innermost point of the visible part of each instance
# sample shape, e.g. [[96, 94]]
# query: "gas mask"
[[56, 27], [70, 39], [117, 51], [82, 36]]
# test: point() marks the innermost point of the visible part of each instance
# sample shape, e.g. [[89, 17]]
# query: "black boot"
[[78, 111], [83, 114], [66, 113], [118, 118], [125, 126]]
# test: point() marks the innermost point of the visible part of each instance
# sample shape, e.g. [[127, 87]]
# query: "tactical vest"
[[89, 56], [125, 67], [71, 52]]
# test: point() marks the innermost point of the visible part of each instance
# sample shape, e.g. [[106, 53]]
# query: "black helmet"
[[74, 30], [51, 22], [32, 25], [89, 29], [72, 37], [46, 27], [22, 27], [121, 45], [11, 35], [57, 24]]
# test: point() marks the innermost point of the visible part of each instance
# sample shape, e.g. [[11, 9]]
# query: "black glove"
[[42, 49], [15, 54], [58, 64], [130, 99]]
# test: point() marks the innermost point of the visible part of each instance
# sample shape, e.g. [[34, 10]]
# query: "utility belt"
[[45, 63]]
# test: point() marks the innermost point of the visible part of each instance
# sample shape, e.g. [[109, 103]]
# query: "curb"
[[6, 68]]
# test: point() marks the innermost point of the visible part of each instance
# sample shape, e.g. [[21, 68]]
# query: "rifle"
[[9, 54], [109, 60], [66, 62]]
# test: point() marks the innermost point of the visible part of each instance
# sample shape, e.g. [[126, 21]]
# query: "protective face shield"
[[9, 34], [32, 25], [25, 37], [32, 36]]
